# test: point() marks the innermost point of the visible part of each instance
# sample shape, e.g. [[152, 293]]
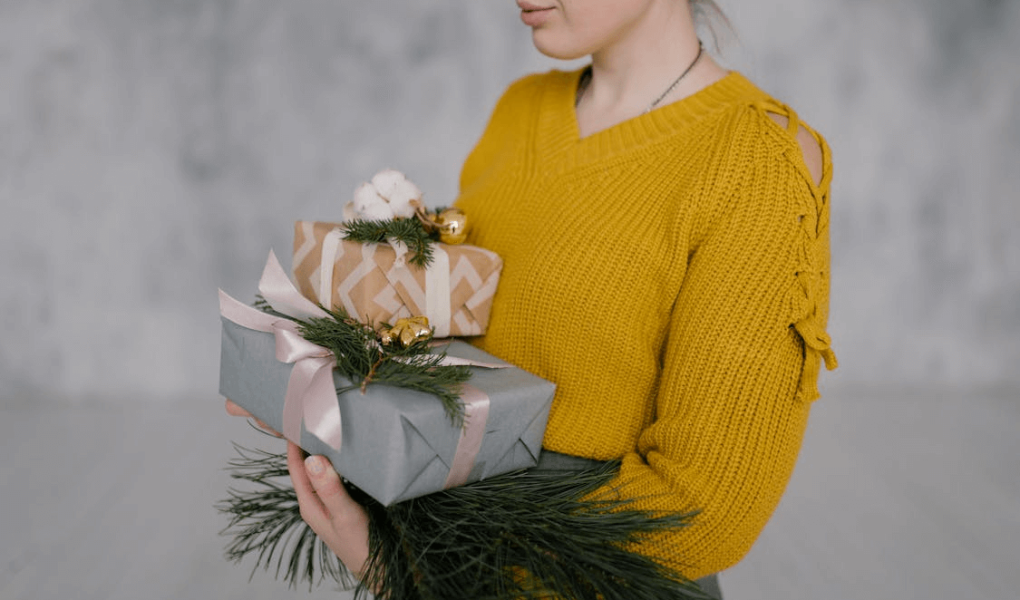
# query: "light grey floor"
[[896, 496]]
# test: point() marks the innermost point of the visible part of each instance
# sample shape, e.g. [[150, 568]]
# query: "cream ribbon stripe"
[[436, 301]]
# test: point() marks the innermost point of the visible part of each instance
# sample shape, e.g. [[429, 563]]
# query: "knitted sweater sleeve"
[[746, 336]]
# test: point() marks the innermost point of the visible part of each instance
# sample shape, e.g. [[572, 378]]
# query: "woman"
[[663, 224]]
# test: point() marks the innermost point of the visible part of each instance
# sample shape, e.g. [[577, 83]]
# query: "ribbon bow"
[[311, 394]]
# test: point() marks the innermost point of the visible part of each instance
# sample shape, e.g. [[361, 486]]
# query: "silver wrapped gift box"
[[397, 444]]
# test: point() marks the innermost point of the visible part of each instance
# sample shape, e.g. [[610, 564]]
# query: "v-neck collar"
[[559, 133]]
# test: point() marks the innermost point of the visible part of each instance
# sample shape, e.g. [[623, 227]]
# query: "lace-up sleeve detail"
[[745, 341], [810, 293]]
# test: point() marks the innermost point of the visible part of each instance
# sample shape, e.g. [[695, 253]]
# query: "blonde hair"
[[706, 8], [708, 13]]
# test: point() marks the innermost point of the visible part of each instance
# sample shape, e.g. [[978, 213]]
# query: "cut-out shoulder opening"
[[809, 146]]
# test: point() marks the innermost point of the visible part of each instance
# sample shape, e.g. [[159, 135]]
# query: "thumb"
[[328, 487]]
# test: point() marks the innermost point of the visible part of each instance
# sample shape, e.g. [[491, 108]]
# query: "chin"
[[554, 46]]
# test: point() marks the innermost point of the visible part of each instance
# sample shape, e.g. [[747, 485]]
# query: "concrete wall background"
[[153, 150]]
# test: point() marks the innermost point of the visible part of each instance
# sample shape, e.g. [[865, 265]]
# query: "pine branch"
[[410, 231], [519, 535], [363, 360], [266, 521]]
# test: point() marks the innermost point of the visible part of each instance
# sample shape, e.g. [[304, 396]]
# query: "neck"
[[631, 72]]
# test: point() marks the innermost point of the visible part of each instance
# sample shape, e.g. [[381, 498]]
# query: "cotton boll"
[[368, 204], [350, 213], [401, 197], [386, 181], [401, 206], [365, 197], [376, 212]]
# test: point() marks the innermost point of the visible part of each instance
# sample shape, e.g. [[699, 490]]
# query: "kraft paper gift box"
[[397, 444], [376, 283]]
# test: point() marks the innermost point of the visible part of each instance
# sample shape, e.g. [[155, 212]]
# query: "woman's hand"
[[324, 502], [236, 411], [328, 509]]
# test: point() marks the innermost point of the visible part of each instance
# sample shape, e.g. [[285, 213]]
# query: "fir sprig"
[[411, 231], [268, 523], [363, 360], [519, 535]]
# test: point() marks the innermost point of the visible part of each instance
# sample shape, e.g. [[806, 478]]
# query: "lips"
[[534, 15]]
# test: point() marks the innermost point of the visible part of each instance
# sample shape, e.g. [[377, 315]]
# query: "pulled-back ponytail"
[[708, 8], [708, 13]]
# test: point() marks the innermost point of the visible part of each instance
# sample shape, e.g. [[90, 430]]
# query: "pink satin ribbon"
[[311, 393], [476, 414]]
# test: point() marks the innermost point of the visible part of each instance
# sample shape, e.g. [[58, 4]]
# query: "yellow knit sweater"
[[670, 275]]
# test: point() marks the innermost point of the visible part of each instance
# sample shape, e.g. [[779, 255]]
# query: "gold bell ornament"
[[451, 223], [407, 332]]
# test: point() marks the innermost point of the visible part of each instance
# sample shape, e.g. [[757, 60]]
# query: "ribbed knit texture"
[[670, 275]]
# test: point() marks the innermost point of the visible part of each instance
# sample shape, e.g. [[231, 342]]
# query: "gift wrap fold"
[[393, 443], [376, 283]]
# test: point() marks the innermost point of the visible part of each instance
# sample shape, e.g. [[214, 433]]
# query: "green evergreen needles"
[[519, 535], [267, 522], [410, 231], [363, 359], [524, 534]]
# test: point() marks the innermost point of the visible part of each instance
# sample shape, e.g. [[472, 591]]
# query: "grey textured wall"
[[153, 150]]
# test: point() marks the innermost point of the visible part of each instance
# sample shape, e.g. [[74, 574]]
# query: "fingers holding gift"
[[312, 510], [234, 410], [327, 507], [338, 505]]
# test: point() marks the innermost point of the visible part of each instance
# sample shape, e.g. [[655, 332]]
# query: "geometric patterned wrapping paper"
[[371, 286]]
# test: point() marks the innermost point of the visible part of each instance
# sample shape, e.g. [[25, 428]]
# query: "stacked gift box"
[[393, 443]]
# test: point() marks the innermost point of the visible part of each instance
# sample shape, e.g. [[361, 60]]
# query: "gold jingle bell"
[[452, 224], [407, 332]]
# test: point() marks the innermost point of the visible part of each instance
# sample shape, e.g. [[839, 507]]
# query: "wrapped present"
[[393, 443], [376, 283]]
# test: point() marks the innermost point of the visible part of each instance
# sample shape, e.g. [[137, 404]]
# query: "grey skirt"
[[554, 461]]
